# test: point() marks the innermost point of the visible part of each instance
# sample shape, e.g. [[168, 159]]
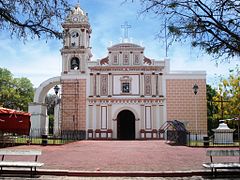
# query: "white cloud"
[[39, 60], [34, 60]]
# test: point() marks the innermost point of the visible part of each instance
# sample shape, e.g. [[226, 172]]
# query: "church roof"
[[125, 46], [77, 10], [77, 15]]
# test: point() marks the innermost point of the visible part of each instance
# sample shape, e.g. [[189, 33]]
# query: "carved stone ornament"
[[104, 61], [147, 61]]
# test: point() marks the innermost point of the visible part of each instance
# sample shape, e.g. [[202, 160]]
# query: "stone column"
[[160, 89], [142, 84], [91, 85], [39, 119], [56, 126], [110, 85]]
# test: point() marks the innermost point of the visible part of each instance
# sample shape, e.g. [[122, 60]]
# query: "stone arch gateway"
[[38, 108]]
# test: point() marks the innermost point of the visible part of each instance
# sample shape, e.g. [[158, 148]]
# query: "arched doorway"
[[126, 125], [38, 109]]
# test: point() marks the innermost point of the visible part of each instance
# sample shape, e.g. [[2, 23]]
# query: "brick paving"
[[120, 156], [109, 178]]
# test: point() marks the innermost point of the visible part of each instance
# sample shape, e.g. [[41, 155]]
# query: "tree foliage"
[[212, 25], [229, 91], [212, 108], [34, 18], [224, 103], [15, 93], [51, 100]]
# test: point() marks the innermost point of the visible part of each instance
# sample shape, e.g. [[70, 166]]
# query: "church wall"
[[104, 117], [180, 101], [74, 104]]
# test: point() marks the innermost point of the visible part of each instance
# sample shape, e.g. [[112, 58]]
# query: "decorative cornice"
[[71, 25], [126, 68], [109, 100], [74, 50]]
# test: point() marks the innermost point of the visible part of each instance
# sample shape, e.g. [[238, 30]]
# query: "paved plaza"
[[121, 156], [111, 178]]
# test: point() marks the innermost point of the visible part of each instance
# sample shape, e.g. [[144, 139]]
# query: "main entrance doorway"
[[126, 125]]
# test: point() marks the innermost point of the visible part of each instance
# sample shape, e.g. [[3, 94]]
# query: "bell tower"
[[76, 53], [76, 40]]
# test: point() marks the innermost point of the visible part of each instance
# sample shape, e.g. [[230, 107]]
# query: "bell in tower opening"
[[75, 63]]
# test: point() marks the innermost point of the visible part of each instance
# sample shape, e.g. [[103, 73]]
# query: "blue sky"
[[39, 60]]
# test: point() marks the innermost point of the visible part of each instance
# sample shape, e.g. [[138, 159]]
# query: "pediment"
[[127, 46]]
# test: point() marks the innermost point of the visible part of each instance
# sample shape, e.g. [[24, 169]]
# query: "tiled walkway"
[[121, 156]]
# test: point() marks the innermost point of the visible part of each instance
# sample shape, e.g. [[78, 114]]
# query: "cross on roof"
[[125, 27]]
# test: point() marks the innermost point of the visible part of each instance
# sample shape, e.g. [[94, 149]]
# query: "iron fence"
[[221, 139], [192, 139], [40, 137]]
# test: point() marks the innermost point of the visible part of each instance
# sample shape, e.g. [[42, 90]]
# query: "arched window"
[[75, 63], [75, 39]]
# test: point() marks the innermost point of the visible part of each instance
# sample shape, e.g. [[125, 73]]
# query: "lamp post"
[[195, 91], [56, 89], [56, 125]]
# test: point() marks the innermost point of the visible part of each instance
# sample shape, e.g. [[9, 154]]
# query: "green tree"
[[32, 18], [211, 108], [50, 101], [15, 93], [229, 88], [227, 98], [212, 25]]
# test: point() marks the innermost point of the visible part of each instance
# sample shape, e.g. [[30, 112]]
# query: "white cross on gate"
[[125, 27]]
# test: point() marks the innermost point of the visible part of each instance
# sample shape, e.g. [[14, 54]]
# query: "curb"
[[53, 172]]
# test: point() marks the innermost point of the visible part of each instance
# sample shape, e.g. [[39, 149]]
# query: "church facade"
[[124, 95]]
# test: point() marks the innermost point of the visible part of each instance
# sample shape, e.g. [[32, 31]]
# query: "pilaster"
[[160, 84], [109, 110], [142, 84], [98, 116], [154, 119], [98, 85], [90, 116], [110, 84], [153, 79], [142, 107], [91, 85], [161, 114]]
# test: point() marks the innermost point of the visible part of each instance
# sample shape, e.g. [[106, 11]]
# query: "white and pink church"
[[125, 95]]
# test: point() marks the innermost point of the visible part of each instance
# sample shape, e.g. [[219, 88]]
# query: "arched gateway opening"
[[126, 125], [38, 109]]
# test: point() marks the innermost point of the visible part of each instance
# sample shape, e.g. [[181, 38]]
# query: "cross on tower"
[[125, 27]]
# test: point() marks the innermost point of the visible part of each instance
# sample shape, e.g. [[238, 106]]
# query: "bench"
[[222, 165], [6, 140], [21, 164]]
